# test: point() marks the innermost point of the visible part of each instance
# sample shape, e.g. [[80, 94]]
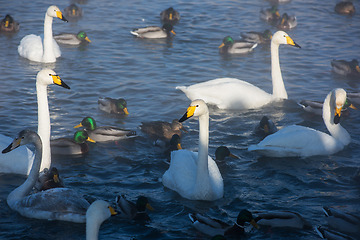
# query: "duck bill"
[[7, 23], [189, 113], [291, 42], [222, 44], [266, 129], [79, 125], [56, 178], [90, 140], [179, 146], [126, 111], [148, 206], [337, 115], [173, 32], [112, 211], [12, 146], [60, 16], [170, 16], [57, 80], [277, 14], [252, 222], [233, 156], [87, 39], [352, 106], [357, 68]]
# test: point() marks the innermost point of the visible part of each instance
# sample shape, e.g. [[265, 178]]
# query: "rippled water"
[[145, 73]]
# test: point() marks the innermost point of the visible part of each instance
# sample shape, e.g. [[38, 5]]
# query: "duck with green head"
[[71, 146], [80, 38], [236, 47], [349, 69], [170, 15], [113, 106], [222, 152], [133, 211], [270, 14], [257, 37], [287, 22]]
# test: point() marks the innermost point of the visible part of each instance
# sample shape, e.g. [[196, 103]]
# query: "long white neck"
[[336, 130], [279, 90], [202, 168], [48, 54], [24, 189], [92, 228], [44, 127]]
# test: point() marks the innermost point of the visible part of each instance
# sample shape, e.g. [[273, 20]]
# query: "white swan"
[[195, 176], [31, 46], [232, 93], [54, 204], [97, 213], [302, 141]]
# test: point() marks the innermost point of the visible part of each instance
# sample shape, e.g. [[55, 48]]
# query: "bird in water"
[[170, 15], [9, 25]]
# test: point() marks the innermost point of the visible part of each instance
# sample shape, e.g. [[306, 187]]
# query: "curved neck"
[[44, 124], [336, 130], [202, 168], [279, 90], [24, 189], [92, 228], [48, 54]]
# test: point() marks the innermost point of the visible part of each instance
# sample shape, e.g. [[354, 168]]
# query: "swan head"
[[54, 11], [48, 76], [338, 102], [99, 211], [24, 137], [281, 37], [197, 108], [88, 122]]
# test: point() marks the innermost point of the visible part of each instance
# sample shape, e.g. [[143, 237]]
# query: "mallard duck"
[[344, 222], [257, 37], [62, 204], [270, 14], [8, 24], [169, 146], [287, 22], [113, 106], [213, 227], [265, 127], [31, 46], [230, 46], [276, 219], [346, 8], [72, 39], [345, 68], [325, 233], [154, 31], [73, 11], [222, 152], [232, 93], [316, 106], [50, 180], [300, 141], [97, 213], [105, 133], [170, 15], [129, 210], [163, 130], [71, 146]]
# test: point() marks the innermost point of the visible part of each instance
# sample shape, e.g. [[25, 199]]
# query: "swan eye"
[[49, 74]]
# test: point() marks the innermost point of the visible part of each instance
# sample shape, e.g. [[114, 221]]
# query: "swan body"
[[32, 47], [325, 233], [282, 219], [195, 176], [346, 8], [265, 127], [97, 213], [349, 69], [163, 130], [154, 31], [236, 47], [113, 106], [54, 204], [270, 14], [133, 211], [231, 93], [287, 22], [71, 146], [257, 37], [170, 15], [80, 38], [302, 141], [9, 25], [213, 226], [344, 222]]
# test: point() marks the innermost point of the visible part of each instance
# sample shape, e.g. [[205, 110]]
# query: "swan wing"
[[31, 47]]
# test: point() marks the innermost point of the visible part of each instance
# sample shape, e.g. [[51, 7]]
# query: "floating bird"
[[276, 219], [270, 14], [342, 221], [346, 8], [50, 180], [316, 106], [232, 93], [169, 146], [213, 227], [113, 106], [163, 130], [154, 31], [129, 210], [265, 127], [300, 141], [170, 15], [287, 22], [72, 39], [104, 133], [222, 152], [31, 46], [345, 68], [195, 176], [73, 11], [236, 47], [71, 146], [325, 233], [8, 24], [257, 37]]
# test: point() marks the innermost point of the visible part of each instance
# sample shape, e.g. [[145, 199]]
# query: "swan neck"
[[44, 127], [48, 54], [202, 168], [279, 90], [92, 229]]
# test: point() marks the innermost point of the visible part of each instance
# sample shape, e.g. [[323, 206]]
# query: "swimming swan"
[[31, 46], [302, 141], [54, 204], [195, 176], [232, 93]]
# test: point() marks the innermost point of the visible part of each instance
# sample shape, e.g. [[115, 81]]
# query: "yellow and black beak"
[[189, 113], [337, 114], [57, 80], [13, 145], [291, 42], [60, 16]]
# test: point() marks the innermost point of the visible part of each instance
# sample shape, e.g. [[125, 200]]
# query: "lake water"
[[145, 72]]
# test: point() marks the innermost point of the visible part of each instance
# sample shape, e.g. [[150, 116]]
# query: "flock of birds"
[[203, 179]]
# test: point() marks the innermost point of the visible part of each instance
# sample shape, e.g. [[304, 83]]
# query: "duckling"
[[325, 233], [222, 152], [73, 11], [213, 227], [270, 14], [129, 210], [169, 146], [8, 24], [345, 68], [265, 127], [71, 146], [50, 180], [105, 133], [163, 130], [154, 31], [257, 37], [170, 15], [72, 39], [282, 219], [316, 106], [287, 22], [113, 106], [342, 221], [346, 8], [236, 47]]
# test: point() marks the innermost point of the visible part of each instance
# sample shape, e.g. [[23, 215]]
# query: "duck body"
[[50, 179], [9, 25], [154, 31], [299, 141], [316, 107], [349, 69], [168, 146], [276, 219], [73, 11], [113, 106], [163, 130], [170, 15], [270, 14], [257, 37], [232, 93], [133, 211], [230, 46], [329, 234], [71, 146], [80, 38], [346, 8], [265, 127], [32, 47], [342, 221], [286, 22]]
